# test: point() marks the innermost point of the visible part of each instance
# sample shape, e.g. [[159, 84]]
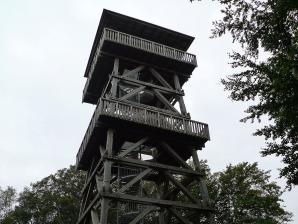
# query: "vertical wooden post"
[[114, 80], [181, 101], [202, 184], [107, 177], [94, 217]]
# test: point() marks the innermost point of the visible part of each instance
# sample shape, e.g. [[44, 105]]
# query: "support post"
[[181, 100], [107, 178]]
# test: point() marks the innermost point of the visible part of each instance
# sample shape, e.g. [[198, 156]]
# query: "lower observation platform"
[[142, 120]]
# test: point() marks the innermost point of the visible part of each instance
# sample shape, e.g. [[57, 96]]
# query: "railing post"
[[163, 50], [145, 116]]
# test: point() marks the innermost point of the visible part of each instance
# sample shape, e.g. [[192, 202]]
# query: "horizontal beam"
[[154, 201], [154, 165]]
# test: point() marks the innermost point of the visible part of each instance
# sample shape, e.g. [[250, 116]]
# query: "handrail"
[[143, 115]]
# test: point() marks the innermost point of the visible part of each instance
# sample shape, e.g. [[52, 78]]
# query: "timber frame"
[[140, 137]]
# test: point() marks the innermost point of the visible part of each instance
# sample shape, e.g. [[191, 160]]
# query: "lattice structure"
[[140, 137]]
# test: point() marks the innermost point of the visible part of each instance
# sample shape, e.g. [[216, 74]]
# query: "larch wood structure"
[[140, 136]]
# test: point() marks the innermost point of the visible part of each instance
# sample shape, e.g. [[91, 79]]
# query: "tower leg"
[[202, 185], [107, 177]]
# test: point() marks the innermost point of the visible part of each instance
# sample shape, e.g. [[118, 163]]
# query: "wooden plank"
[[142, 215], [134, 71], [154, 165], [133, 147], [134, 180], [132, 93], [165, 101], [178, 216], [160, 78], [154, 201]]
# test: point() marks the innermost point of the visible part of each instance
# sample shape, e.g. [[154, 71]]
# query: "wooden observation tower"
[[140, 135]]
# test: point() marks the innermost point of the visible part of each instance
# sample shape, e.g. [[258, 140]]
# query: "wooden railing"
[[146, 116], [143, 44], [147, 45]]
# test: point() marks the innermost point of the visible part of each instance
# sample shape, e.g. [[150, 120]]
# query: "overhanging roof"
[[141, 29]]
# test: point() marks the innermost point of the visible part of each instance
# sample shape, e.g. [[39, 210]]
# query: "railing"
[[148, 45], [137, 42], [143, 115], [153, 117]]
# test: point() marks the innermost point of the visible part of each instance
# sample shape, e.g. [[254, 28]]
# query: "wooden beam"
[[116, 66], [107, 176], [142, 215], [154, 201], [182, 188], [92, 174], [181, 101], [138, 82], [202, 184], [175, 155], [160, 78], [135, 180], [165, 101], [94, 217], [133, 147], [178, 216], [82, 217], [134, 71], [115, 81], [132, 93], [154, 165], [144, 63], [186, 181]]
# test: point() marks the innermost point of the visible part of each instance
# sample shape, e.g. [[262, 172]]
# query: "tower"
[[140, 136]]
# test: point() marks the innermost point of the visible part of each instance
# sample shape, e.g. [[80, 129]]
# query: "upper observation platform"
[[137, 42]]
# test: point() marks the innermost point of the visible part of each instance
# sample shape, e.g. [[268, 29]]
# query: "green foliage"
[[271, 85], [54, 199], [244, 194], [241, 193], [7, 201]]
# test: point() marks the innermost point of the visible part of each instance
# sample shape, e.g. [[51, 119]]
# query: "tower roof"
[[149, 31]]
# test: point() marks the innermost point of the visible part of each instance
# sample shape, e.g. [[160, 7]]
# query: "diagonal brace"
[[134, 180], [132, 93], [133, 147]]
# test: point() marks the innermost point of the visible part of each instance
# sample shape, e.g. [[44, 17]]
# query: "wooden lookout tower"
[[140, 135]]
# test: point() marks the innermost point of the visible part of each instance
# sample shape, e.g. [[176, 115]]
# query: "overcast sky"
[[44, 48]]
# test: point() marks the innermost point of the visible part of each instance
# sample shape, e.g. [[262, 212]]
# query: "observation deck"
[[119, 114], [135, 41]]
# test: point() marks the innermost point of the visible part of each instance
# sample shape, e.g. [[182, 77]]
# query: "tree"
[[244, 194], [272, 84], [54, 199], [7, 201]]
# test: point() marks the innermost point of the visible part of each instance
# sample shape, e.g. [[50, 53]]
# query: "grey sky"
[[44, 47]]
